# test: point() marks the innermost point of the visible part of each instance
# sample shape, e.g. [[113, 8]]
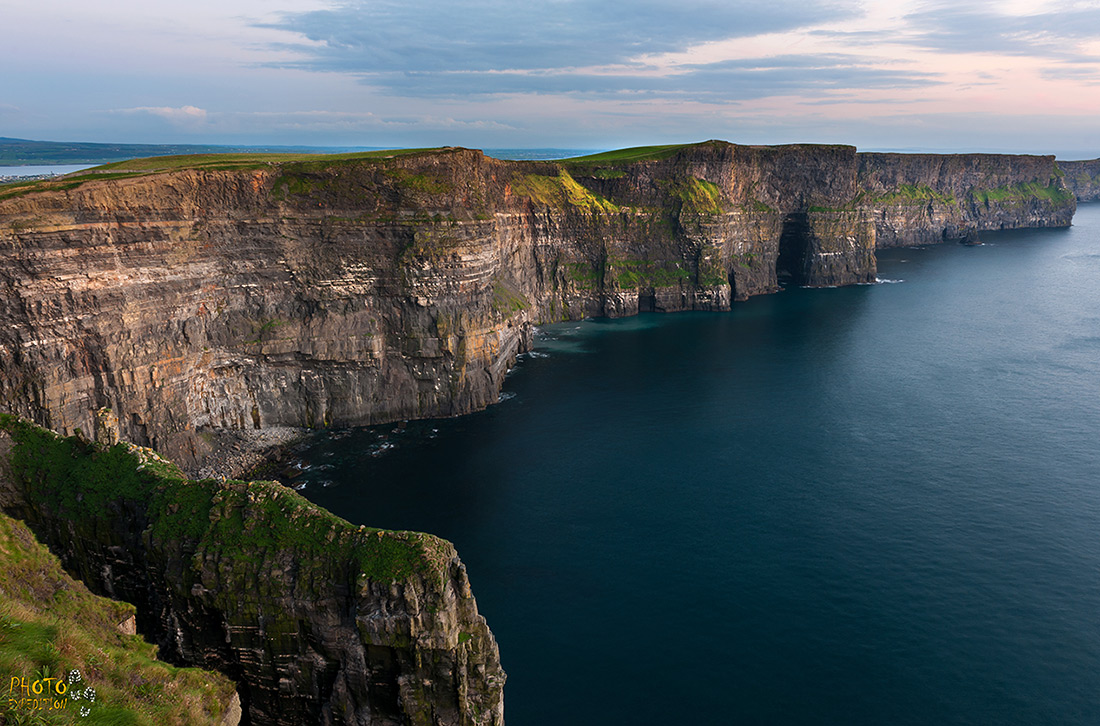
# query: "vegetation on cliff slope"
[[52, 627], [290, 164], [87, 483]]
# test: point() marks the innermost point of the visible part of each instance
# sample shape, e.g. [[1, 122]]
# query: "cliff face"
[[930, 198], [159, 307], [317, 620], [1082, 178], [51, 625]]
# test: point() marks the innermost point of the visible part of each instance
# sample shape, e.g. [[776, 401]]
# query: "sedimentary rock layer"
[[318, 621], [1082, 178], [163, 306]]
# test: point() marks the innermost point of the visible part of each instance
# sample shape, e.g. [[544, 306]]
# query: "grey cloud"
[[385, 36], [1088, 74], [807, 75], [963, 28]]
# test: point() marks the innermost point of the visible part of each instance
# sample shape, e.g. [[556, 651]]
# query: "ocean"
[[866, 505]]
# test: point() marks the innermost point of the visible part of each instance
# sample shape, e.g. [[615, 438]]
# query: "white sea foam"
[[885, 281]]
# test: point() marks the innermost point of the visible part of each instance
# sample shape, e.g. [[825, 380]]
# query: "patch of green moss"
[[697, 195], [1022, 192], [506, 299], [243, 523], [635, 273], [561, 192], [916, 194], [420, 182], [758, 206], [584, 275]]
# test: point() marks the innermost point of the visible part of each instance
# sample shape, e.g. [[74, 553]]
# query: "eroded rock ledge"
[[164, 305], [318, 621]]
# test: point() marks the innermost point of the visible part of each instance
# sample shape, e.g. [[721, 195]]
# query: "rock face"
[[318, 621], [161, 308], [88, 634], [1082, 178], [930, 198]]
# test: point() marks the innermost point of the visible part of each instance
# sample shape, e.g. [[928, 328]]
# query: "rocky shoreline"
[[239, 454]]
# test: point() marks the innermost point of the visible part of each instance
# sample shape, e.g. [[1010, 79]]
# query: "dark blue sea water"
[[866, 505]]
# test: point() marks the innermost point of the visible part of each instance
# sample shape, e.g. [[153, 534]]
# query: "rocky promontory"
[[316, 620]]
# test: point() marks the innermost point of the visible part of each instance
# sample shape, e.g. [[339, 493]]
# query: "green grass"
[[636, 153], [244, 524], [292, 163], [697, 195], [252, 161], [506, 299], [51, 625], [561, 192], [1023, 191], [584, 275], [635, 273], [915, 194]]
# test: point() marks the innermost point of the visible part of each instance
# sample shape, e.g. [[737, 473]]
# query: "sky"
[[1017, 76]]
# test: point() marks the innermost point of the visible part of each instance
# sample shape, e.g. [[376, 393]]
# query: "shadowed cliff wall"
[[1082, 178]]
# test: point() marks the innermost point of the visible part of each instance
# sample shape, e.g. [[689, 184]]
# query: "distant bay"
[[865, 505], [41, 169]]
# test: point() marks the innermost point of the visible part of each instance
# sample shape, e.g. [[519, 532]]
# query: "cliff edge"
[[317, 620]]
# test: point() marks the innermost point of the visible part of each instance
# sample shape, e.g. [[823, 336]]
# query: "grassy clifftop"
[[83, 482], [52, 627]]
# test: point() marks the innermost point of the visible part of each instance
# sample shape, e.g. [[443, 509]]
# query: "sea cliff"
[[1082, 178], [170, 302], [178, 303], [316, 620]]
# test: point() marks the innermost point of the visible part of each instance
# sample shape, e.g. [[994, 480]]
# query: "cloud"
[[340, 120], [486, 45], [975, 28], [183, 114], [723, 81]]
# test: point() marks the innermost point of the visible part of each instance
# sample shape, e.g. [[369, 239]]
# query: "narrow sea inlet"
[[865, 505]]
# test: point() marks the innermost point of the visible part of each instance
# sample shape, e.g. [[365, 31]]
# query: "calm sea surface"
[[866, 505]]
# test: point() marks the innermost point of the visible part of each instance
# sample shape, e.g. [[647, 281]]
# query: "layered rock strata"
[[930, 198], [1082, 178], [318, 621], [164, 306]]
